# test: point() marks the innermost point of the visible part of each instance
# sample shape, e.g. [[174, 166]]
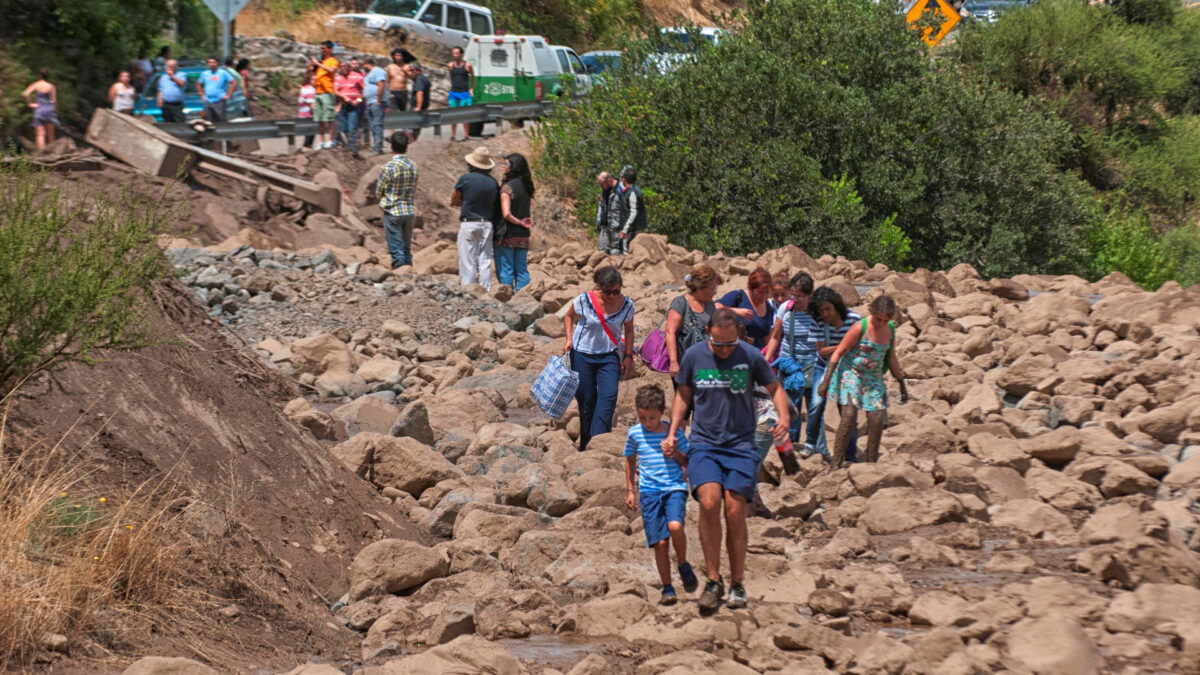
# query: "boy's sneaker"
[[688, 576], [668, 595], [710, 599], [737, 596]]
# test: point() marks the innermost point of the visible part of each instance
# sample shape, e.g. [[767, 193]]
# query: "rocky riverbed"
[[1034, 510]]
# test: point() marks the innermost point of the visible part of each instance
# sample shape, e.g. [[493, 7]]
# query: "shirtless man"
[[462, 86]]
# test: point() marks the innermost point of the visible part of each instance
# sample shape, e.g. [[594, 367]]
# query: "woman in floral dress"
[[856, 370]]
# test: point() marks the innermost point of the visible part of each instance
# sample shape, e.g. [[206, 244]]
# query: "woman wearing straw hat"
[[475, 192]]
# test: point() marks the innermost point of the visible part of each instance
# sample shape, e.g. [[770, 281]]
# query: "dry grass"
[[260, 20], [104, 570]]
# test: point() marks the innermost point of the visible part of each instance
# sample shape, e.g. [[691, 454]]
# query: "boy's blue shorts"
[[660, 508], [735, 470]]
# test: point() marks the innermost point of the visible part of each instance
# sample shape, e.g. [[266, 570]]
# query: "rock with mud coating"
[[1055, 643], [167, 665], [393, 566], [464, 654], [901, 509]]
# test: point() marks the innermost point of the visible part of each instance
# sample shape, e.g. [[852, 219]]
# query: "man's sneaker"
[[710, 599], [808, 450], [737, 596], [688, 576], [668, 595]]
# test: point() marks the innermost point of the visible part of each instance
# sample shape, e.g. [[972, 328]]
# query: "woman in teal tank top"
[[854, 377]]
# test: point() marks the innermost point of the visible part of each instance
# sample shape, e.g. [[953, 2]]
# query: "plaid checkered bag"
[[555, 387]]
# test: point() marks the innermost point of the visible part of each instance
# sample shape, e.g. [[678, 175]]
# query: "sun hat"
[[480, 158]]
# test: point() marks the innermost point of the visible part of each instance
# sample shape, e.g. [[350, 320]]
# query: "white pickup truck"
[[450, 23]]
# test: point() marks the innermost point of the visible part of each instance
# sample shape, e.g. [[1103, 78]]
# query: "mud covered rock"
[[392, 566], [901, 509], [464, 654]]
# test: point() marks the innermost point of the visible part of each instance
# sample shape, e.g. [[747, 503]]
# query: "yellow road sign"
[[935, 9]]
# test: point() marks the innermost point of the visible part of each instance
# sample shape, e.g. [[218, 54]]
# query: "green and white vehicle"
[[516, 68]]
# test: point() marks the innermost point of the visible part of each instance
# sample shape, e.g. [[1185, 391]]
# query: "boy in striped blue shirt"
[[664, 488]]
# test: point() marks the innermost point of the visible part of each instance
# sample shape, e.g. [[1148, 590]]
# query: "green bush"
[[74, 273], [1128, 244], [1125, 78], [815, 136], [1163, 173], [1181, 248]]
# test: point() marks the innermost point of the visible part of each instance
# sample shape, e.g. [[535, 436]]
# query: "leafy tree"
[[1125, 78], [83, 42], [824, 123]]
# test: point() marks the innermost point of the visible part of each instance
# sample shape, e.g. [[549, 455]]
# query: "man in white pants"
[[476, 192]]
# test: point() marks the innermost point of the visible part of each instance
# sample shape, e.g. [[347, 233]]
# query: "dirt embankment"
[[272, 522]]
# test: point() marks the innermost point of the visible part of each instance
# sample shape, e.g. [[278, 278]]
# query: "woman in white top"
[[122, 94], [597, 353]]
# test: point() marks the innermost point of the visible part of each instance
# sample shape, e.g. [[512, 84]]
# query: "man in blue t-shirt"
[[719, 376], [215, 86], [169, 85], [375, 94]]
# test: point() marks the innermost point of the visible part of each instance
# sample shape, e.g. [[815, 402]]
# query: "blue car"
[[598, 62], [193, 104]]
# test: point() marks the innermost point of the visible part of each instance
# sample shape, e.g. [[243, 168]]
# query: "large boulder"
[[1035, 518], [901, 509], [394, 566], [788, 500], [458, 411], [1153, 605], [464, 654], [1055, 643], [413, 422], [998, 451], [1123, 520], [1112, 476], [979, 402], [439, 258], [1166, 423], [1185, 473], [499, 525], [1055, 448], [1025, 373], [366, 413], [320, 353], [402, 463], [167, 665], [609, 615], [1062, 491], [409, 465], [382, 370]]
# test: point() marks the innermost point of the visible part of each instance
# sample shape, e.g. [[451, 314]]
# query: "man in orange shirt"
[[323, 106]]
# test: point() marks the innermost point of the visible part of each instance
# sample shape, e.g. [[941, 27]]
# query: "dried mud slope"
[[278, 518]]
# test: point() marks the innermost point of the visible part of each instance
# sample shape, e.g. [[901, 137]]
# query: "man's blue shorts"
[[459, 99], [660, 508], [735, 470]]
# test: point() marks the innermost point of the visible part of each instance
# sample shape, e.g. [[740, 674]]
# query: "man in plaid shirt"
[[395, 187]]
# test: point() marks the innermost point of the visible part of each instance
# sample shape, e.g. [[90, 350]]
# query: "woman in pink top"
[[304, 104]]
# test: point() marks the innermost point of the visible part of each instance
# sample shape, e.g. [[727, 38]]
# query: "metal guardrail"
[[291, 128]]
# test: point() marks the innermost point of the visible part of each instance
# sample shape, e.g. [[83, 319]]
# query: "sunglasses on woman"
[[611, 292]]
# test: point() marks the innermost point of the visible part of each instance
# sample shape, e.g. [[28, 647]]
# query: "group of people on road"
[[340, 94], [741, 367], [621, 212], [215, 85]]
